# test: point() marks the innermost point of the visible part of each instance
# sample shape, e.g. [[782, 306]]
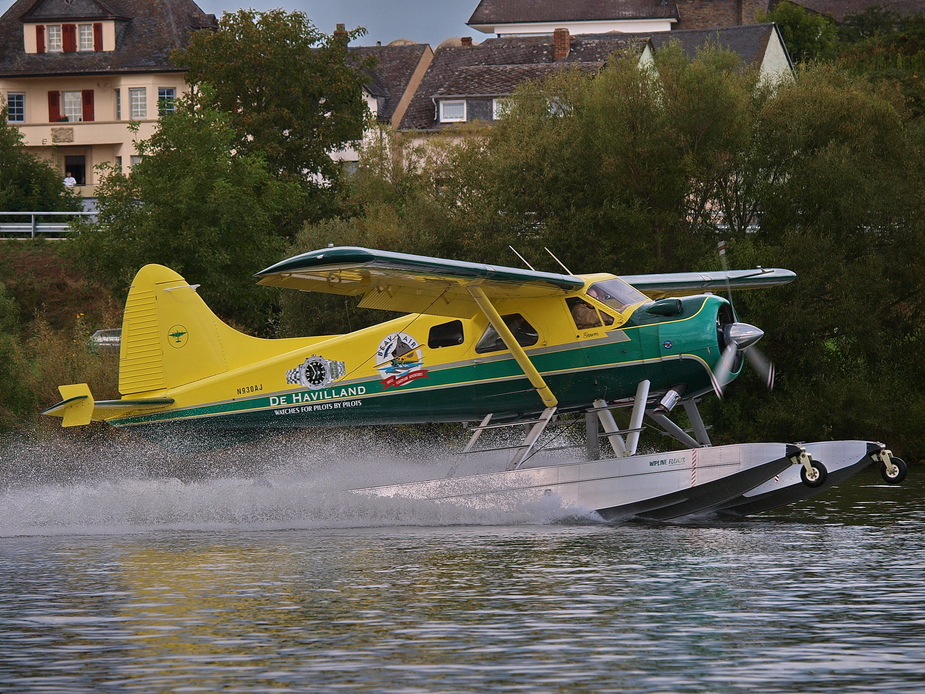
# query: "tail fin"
[[76, 408], [171, 338]]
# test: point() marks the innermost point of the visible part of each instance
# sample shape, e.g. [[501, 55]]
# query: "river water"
[[116, 581]]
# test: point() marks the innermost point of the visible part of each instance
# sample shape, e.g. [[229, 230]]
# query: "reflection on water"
[[228, 584]]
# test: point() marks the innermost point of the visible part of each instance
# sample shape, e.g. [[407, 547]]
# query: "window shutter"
[[97, 36], [40, 38], [87, 97], [69, 38], [54, 106]]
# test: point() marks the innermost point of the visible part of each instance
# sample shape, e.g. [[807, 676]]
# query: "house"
[[468, 82], [394, 77], [758, 45], [532, 17], [75, 73]]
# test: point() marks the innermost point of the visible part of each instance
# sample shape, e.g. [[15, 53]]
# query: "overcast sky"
[[423, 21]]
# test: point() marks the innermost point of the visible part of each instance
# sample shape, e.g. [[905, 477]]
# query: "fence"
[[30, 227]]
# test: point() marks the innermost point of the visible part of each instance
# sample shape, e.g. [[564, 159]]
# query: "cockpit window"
[[616, 293], [583, 313], [524, 333]]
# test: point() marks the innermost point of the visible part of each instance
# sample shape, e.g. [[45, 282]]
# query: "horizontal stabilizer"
[[78, 407]]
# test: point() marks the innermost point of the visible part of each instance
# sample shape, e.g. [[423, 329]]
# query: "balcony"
[[83, 134]]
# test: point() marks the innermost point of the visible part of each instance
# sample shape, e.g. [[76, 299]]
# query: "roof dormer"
[[69, 26]]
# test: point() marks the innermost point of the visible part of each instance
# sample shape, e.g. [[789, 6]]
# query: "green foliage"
[[887, 49], [628, 163], [807, 35], [16, 400], [199, 206], [27, 183], [396, 200], [637, 170], [43, 280], [287, 90], [843, 207]]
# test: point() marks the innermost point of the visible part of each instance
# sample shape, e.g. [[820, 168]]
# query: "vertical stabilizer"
[[169, 336]]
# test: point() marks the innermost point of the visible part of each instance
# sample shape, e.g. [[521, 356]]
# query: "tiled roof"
[[394, 68], [496, 80], [146, 32], [839, 9], [56, 10], [529, 11], [496, 66], [749, 42]]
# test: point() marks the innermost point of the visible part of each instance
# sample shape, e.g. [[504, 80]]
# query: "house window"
[[499, 107], [76, 166], [452, 111], [85, 37], [135, 159], [166, 96], [118, 104], [72, 106], [16, 107], [138, 103], [53, 32]]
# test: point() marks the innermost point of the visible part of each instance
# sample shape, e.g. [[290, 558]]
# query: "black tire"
[[820, 474], [901, 470]]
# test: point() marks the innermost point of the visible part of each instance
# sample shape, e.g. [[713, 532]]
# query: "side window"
[[583, 313], [524, 333], [445, 335]]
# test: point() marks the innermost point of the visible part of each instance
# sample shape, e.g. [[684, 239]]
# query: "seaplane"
[[497, 348]]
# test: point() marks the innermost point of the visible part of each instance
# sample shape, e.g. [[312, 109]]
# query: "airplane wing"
[[660, 285], [411, 283]]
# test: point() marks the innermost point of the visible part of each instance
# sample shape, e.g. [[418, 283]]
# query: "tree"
[[289, 92], [26, 182], [200, 206], [629, 163], [807, 35], [844, 207], [888, 49]]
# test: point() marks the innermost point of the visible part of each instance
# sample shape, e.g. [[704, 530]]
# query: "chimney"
[[340, 33], [560, 44], [466, 41]]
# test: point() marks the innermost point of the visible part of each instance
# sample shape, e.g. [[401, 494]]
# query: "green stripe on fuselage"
[[577, 373]]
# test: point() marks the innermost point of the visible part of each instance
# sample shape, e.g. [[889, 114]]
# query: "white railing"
[[30, 227]]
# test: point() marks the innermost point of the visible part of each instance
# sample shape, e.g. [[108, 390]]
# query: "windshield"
[[616, 293]]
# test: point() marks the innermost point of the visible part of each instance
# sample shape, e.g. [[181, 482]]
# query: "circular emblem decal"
[[667, 344], [316, 372], [177, 336], [399, 360]]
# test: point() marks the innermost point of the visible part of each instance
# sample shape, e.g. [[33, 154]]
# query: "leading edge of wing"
[[682, 283], [410, 283]]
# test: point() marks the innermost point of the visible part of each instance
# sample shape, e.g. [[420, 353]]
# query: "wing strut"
[[491, 313], [520, 356]]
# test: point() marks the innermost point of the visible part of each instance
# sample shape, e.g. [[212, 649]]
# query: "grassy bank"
[[48, 310]]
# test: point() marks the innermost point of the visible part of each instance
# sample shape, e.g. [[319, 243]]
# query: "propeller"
[[740, 339]]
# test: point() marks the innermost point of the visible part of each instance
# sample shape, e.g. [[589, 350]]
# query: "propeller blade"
[[721, 247], [762, 365], [723, 372]]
